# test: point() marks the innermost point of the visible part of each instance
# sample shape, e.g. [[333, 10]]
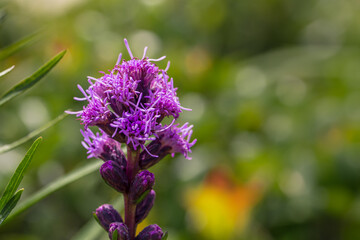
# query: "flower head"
[[131, 100], [100, 145]]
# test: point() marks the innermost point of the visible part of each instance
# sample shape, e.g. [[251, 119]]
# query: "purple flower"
[[128, 104], [170, 141], [178, 139], [115, 175], [102, 146], [106, 215], [122, 231], [144, 207], [151, 232], [142, 183], [130, 101]]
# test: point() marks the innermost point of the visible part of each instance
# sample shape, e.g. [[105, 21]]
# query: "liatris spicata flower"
[[128, 105]]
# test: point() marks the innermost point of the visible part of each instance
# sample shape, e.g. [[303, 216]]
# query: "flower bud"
[[114, 175], [158, 152], [144, 207], [142, 183], [106, 215], [122, 231], [151, 232]]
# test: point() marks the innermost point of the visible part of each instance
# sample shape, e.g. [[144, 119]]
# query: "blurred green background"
[[274, 87]]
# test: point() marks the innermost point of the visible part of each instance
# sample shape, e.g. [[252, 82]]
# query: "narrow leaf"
[[165, 236], [9, 206], [19, 174], [30, 81], [115, 235], [8, 147], [142, 196], [7, 70], [11, 49], [54, 186]]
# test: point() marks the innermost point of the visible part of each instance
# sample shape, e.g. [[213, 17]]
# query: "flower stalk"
[[128, 105]]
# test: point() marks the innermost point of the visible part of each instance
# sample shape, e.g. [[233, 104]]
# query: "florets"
[[131, 100]]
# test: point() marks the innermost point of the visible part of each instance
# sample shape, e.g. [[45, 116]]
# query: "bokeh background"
[[274, 87]]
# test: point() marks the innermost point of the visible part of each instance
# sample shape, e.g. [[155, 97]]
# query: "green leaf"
[[54, 186], [30, 81], [11, 49], [115, 235], [8, 147], [6, 71], [165, 236], [19, 174], [9, 206], [142, 196]]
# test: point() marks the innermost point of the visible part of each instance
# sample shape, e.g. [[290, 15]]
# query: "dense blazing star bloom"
[[130, 101]]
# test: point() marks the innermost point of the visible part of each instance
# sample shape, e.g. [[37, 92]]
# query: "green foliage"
[[55, 186], [115, 235], [5, 211], [13, 48], [10, 146], [6, 71], [30, 81], [165, 236], [9, 197]]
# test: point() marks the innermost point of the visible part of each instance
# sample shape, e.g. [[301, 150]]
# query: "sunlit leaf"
[[9, 206], [30, 81], [6, 71], [8, 147], [19, 174], [56, 185], [11, 49]]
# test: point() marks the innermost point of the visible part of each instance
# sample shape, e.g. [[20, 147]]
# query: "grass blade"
[[30, 81], [9, 206], [11, 49], [8, 147], [6, 70], [54, 186], [19, 174]]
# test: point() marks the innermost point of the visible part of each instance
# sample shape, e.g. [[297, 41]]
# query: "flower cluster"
[[128, 105]]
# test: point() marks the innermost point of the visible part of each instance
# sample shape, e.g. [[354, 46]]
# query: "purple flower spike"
[[151, 232], [122, 231], [114, 175], [144, 207], [102, 146], [142, 183], [106, 215]]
